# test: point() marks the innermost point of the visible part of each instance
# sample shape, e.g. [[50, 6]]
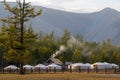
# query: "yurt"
[[41, 66], [101, 65], [11, 67], [54, 66], [28, 67], [79, 65], [107, 65], [86, 66], [97, 65], [74, 66], [115, 66]]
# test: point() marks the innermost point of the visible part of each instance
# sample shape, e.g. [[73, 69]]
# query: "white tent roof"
[[11, 67], [41, 66], [115, 66], [27, 66], [81, 65], [98, 63], [87, 64], [103, 65], [77, 64], [52, 66]]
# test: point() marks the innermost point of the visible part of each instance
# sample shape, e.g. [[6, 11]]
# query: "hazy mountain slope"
[[96, 26]]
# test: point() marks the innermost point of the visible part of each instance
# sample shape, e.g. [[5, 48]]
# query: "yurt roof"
[[11, 67], [53, 65], [28, 66], [40, 65]]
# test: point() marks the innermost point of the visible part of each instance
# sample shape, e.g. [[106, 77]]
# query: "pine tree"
[[17, 37]]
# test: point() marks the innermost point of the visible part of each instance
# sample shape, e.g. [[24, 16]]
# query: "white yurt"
[[115, 66], [81, 65], [53, 66], [28, 67], [41, 66], [11, 67], [74, 66], [97, 65], [86, 66], [101, 65], [107, 65]]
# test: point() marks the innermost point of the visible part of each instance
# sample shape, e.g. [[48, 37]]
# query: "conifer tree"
[[65, 37], [76, 56], [17, 38]]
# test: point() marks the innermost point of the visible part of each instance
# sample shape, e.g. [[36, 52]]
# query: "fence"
[[62, 70]]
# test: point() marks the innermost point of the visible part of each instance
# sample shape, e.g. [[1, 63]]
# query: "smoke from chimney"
[[61, 50], [72, 42]]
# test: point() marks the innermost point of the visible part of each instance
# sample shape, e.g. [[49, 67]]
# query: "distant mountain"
[[96, 26]]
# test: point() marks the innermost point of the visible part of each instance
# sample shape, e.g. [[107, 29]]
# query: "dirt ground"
[[60, 76]]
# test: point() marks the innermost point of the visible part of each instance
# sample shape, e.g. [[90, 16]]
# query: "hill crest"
[[95, 26]]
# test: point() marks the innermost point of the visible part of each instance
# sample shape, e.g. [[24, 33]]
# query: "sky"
[[79, 6]]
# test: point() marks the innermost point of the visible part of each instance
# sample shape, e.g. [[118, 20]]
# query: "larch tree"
[[77, 56], [65, 37], [17, 38]]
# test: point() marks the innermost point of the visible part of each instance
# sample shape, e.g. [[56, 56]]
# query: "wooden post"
[[105, 70], [31, 70], [79, 69], [115, 70], [17, 70], [54, 69], [62, 68], [24, 70], [3, 70], [70, 69], [88, 69], [46, 70], [96, 68], [39, 69], [10, 70]]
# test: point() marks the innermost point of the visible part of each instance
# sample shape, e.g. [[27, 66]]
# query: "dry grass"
[[60, 76]]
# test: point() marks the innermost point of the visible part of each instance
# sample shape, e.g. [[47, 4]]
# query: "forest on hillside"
[[21, 45], [76, 50]]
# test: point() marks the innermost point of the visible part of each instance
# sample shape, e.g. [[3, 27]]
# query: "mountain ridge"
[[95, 26]]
